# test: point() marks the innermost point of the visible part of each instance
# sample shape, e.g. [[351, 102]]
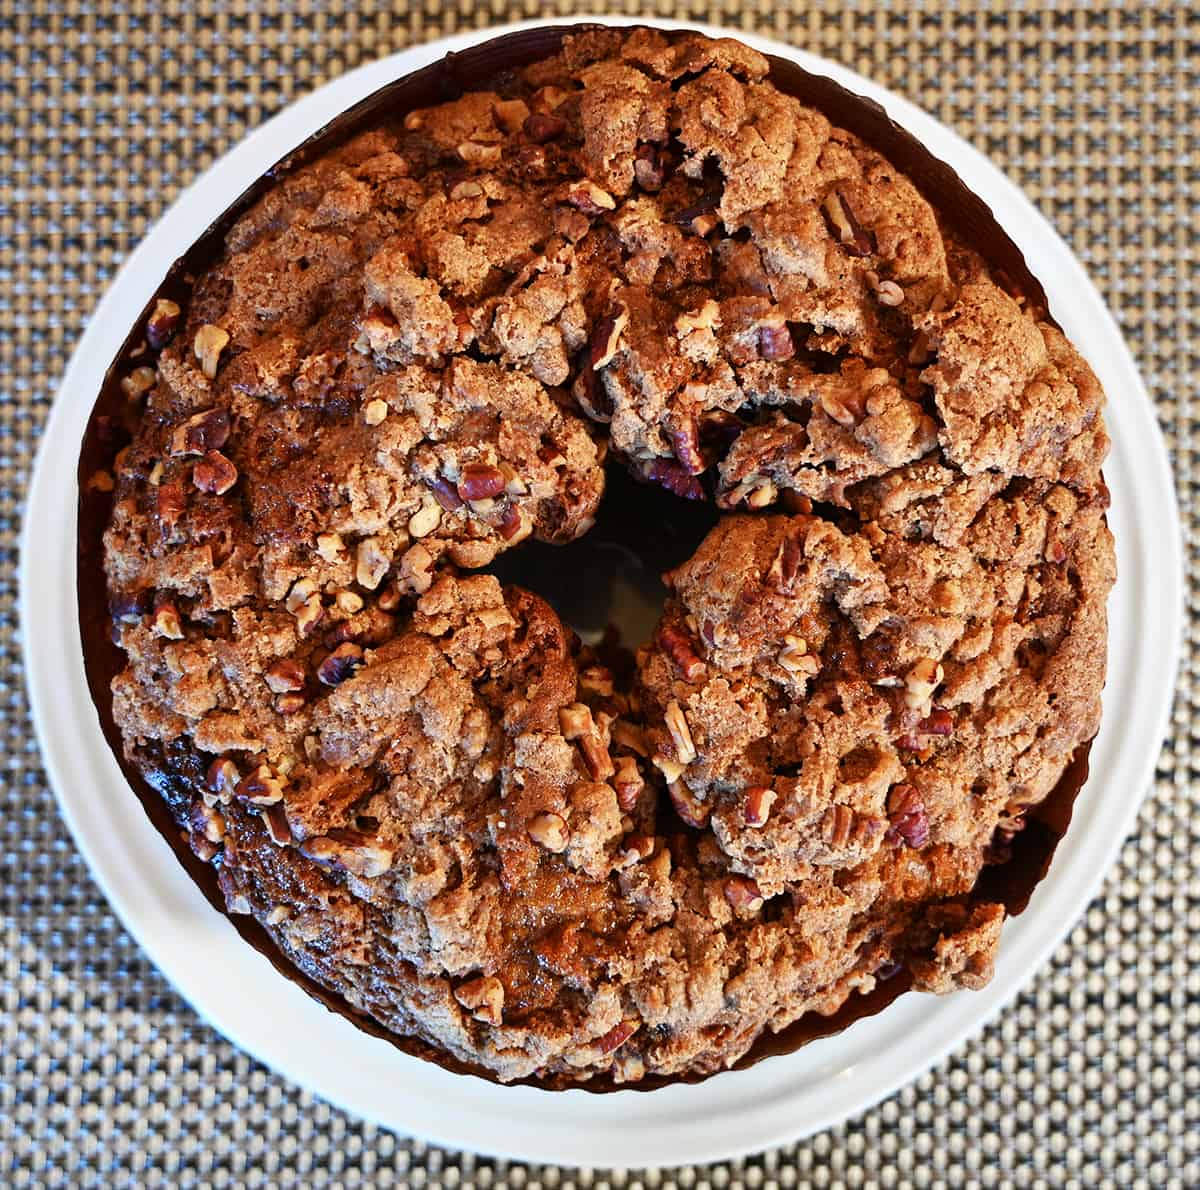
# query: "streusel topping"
[[422, 350]]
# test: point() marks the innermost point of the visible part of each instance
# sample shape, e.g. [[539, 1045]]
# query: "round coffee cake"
[[415, 363]]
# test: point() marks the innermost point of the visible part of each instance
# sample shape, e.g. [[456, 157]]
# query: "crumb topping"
[[420, 351]]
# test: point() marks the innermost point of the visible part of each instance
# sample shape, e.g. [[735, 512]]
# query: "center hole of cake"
[[610, 580], [594, 586]]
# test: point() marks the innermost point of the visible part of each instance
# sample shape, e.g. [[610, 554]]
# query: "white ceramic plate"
[[780, 1099]]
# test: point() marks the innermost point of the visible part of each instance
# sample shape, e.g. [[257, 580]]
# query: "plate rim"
[[681, 1131]]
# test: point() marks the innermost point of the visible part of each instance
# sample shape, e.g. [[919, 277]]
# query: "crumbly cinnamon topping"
[[413, 355]]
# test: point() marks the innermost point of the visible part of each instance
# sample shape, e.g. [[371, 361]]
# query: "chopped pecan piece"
[[310, 615], [575, 720], [576, 723], [510, 114], [371, 563], [596, 757], [416, 570], [514, 525], [549, 830], [214, 473], [909, 821], [483, 998], [705, 318], [210, 341], [590, 199], [426, 519], [389, 598], [169, 503], [681, 649], [467, 188], [202, 432], [627, 781], [921, 681], [375, 412], [285, 677], [700, 218], [445, 493], [542, 128], [939, 721], [592, 396], [757, 802], [223, 778], [167, 622], [605, 340], [670, 475], [671, 769], [681, 733], [617, 1036], [349, 603], [775, 342], [634, 850], [837, 825], [350, 851], [162, 323], [596, 680], [743, 894], [650, 168], [329, 547], [260, 787], [550, 98], [205, 851], [685, 441], [690, 809], [340, 664], [139, 382], [762, 494], [480, 481], [890, 294], [846, 408], [206, 821], [795, 657], [844, 227], [275, 820], [786, 564], [475, 153], [304, 602]]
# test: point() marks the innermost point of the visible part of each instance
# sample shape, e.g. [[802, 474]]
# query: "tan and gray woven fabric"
[[107, 1078]]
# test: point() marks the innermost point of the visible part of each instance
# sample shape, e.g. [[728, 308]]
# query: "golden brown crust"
[[413, 355]]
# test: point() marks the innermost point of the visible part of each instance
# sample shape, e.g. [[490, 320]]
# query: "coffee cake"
[[421, 351]]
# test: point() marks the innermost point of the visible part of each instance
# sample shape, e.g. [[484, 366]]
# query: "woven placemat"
[[108, 1079]]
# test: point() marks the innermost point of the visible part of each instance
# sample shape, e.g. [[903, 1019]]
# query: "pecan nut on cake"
[[423, 350]]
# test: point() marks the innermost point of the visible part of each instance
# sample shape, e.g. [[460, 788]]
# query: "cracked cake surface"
[[423, 350]]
